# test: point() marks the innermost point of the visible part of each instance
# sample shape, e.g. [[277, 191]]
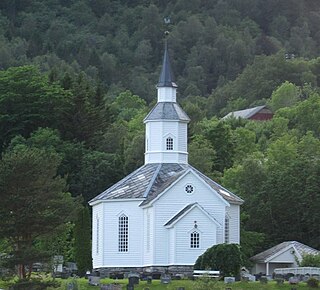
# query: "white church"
[[166, 213]]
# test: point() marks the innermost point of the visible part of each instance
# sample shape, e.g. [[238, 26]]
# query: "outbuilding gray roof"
[[167, 111], [245, 114], [150, 180], [299, 247]]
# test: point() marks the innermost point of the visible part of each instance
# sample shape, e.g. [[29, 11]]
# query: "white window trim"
[[192, 239], [227, 229], [123, 243]]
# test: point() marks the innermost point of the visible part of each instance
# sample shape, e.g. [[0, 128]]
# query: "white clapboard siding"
[[184, 254], [148, 243], [234, 223], [174, 200], [111, 257], [156, 134], [97, 235], [182, 140]]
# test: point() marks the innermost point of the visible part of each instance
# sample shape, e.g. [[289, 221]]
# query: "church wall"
[[111, 255], [205, 227], [234, 223], [97, 235], [175, 200], [182, 140], [148, 243]]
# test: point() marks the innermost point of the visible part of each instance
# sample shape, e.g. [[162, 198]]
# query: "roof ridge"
[[155, 174]]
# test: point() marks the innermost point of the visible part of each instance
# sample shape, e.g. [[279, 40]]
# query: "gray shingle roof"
[[167, 111], [150, 180], [301, 248], [180, 213], [245, 114]]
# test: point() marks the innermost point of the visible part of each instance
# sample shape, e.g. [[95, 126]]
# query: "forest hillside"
[[77, 77]]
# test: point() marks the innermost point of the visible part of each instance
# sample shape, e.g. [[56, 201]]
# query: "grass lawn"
[[187, 284]]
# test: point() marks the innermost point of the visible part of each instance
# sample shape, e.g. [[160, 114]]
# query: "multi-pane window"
[[226, 230], [123, 233], [169, 143], [195, 240]]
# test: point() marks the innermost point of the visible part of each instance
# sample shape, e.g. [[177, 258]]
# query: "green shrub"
[[226, 258], [313, 283], [34, 285]]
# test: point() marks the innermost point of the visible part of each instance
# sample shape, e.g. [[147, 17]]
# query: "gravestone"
[[229, 280], [94, 280], [294, 280], [165, 279], [133, 278]]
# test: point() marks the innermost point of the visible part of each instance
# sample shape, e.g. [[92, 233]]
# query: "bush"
[[34, 285], [227, 258], [313, 283]]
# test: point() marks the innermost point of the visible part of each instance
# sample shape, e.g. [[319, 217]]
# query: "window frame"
[[169, 143], [194, 239], [123, 233]]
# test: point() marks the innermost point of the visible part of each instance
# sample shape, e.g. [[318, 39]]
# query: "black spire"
[[166, 77]]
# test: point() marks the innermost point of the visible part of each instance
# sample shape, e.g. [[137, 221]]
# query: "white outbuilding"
[[284, 255], [166, 213]]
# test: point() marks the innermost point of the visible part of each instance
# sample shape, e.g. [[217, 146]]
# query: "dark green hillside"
[[77, 77]]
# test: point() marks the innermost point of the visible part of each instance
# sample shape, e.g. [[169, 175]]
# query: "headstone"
[[294, 280], [165, 279], [94, 280], [229, 280], [133, 278]]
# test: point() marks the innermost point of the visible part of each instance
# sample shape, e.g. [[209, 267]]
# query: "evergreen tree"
[[82, 247]]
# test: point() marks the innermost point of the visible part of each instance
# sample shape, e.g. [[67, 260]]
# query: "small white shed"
[[284, 255]]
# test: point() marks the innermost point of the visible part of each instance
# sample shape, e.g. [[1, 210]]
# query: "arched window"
[[169, 143], [195, 240], [226, 230], [123, 233]]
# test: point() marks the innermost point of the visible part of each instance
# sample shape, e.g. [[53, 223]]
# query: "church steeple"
[[166, 77], [166, 124]]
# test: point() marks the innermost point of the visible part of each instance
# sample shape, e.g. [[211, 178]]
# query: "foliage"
[[313, 282], [82, 244], [285, 95], [309, 260], [226, 258], [28, 101], [34, 202], [34, 284]]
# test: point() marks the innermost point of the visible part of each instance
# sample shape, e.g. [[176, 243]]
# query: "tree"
[[34, 202], [310, 260], [201, 154], [227, 258], [82, 234], [29, 101], [285, 95]]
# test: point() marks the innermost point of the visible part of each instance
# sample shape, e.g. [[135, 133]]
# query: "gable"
[[287, 256], [195, 211], [190, 187]]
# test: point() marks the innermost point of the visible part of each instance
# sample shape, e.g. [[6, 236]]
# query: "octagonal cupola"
[[166, 124]]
